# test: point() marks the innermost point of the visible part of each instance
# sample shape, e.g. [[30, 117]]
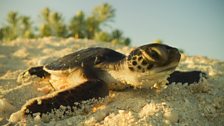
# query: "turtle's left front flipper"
[[38, 71], [189, 77], [46, 104]]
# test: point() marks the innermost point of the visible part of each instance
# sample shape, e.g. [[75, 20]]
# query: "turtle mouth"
[[170, 67], [165, 69]]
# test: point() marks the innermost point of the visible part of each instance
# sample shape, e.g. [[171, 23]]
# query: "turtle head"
[[153, 59]]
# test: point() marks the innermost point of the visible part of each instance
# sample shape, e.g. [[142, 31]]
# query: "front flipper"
[[186, 77], [45, 104], [38, 71], [87, 90]]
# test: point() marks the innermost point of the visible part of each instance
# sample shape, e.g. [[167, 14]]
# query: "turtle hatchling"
[[92, 72]]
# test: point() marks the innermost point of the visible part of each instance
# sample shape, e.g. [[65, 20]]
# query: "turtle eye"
[[154, 54]]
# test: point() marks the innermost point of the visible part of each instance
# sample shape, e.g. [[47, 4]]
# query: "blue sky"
[[197, 26]]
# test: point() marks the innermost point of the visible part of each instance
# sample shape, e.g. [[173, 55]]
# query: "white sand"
[[200, 104]]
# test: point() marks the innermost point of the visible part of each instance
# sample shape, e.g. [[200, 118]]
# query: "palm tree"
[[44, 28], [77, 25], [104, 12], [80, 26], [102, 36], [4, 31], [58, 28], [117, 38], [53, 24], [93, 26], [100, 15], [11, 30], [17, 26], [26, 27], [116, 34], [127, 41], [45, 15]]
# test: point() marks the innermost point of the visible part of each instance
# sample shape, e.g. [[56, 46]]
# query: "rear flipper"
[[189, 77], [38, 71], [45, 104]]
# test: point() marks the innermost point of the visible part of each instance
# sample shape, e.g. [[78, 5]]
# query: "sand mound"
[[200, 104]]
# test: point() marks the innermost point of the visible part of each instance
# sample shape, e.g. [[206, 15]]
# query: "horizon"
[[194, 26]]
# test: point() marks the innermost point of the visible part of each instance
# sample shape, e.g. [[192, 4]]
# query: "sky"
[[196, 26]]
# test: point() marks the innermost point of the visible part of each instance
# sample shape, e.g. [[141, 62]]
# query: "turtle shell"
[[86, 57]]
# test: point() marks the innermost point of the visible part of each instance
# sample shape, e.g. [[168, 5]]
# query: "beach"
[[179, 104]]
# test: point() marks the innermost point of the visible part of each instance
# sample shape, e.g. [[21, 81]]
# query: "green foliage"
[[100, 16], [77, 25], [26, 27], [11, 29], [52, 24], [82, 26], [102, 36], [92, 26], [103, 13], [17, 27], [117, 38]]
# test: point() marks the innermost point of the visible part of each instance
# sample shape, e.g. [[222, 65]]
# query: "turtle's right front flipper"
[[189, 77], [45, 104]]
